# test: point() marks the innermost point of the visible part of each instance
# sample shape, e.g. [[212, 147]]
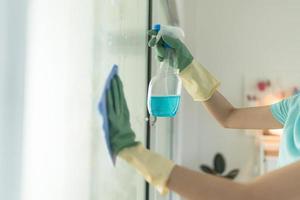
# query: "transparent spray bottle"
[[165, 87]]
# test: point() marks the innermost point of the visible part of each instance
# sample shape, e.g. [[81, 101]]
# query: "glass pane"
[[162, 132], [121, 39]]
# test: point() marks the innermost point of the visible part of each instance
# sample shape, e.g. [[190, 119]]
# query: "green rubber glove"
[[152, 166], [183, 57], [121, 133], [196, 79]]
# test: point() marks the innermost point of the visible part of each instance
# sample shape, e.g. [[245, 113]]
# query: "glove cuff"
[[152, 166], [198, 82]]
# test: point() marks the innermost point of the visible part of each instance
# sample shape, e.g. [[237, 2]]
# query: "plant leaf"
[[232, 174], [219, 163], [207, 169]]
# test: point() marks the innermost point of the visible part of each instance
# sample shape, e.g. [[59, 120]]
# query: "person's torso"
[[290, 140]]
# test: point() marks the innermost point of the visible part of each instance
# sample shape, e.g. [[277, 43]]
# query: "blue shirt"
[[287, 112]]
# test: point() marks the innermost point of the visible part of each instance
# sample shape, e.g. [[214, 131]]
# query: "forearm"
[[197, 186], [164, 175], [277, 185], [219, 107], [240, 118]]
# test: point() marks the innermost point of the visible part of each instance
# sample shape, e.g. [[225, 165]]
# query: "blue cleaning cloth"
[[103, 111]]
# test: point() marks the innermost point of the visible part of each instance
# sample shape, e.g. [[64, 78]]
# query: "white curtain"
[[57, 132], [12, 58]]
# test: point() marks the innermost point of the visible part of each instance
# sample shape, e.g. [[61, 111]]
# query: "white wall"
[[233, 38]]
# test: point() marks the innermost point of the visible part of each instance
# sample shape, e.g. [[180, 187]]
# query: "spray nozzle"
[[157, 27]]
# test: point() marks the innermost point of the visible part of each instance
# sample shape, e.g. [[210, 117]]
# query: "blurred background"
[[55, 56]]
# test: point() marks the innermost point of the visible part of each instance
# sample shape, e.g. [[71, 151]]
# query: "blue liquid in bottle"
[[164, 106]]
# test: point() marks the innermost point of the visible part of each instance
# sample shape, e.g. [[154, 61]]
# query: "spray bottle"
[[165, 87]]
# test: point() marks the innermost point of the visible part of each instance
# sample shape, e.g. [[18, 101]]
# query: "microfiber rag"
[[102, 108]]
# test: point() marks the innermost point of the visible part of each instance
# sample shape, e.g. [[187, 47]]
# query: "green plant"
[[219, 168]]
